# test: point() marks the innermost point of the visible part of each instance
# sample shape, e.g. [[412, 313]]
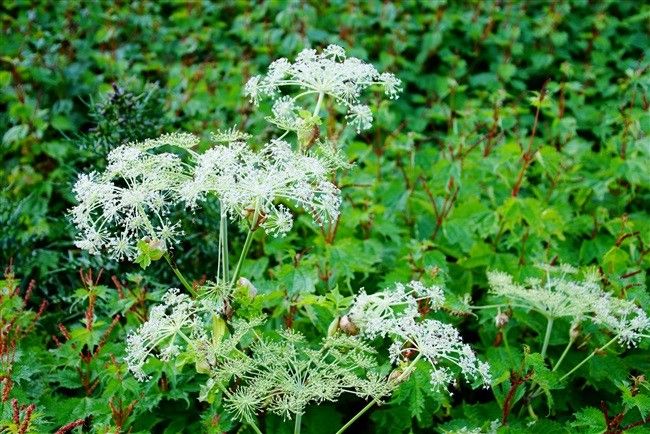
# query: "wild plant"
[[18, 323], [562, 296], [125, 211]]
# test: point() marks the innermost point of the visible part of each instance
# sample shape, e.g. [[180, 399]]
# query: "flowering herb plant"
[[215, 221], [124, 210]]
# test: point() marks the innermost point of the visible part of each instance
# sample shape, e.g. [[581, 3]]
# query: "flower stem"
[[358, 415], [180, 276], [586, 359], [254, 426], [566, 351], [547, 336], [318, 103], [246, 248], [487, 306], [368, 406], [549, 327], [297, 424], [222, 262], [576, 367]]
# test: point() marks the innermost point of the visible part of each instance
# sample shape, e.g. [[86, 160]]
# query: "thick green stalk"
[[179, 275], [549, 327], [246, 248], [368, 406], [547, 336], [222, 266], [297, 424]]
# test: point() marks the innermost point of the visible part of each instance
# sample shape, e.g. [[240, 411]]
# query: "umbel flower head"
[[329, 72], [284, 375], [252, 183], [176, 325], [395, 314], [132, 198], [561, 294], [170, 322]]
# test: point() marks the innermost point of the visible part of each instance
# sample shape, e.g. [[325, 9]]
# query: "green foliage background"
[[434, 190]]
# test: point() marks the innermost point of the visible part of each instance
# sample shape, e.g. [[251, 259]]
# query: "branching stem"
[[368, 406], [586, 359], [564, 353], [179, 275], [576, 367]]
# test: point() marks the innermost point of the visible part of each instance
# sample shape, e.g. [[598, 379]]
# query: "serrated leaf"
[[589, 419]]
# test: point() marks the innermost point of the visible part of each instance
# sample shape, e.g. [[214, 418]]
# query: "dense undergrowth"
[[511, 178]]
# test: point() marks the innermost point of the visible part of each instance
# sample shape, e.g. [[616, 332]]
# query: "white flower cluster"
[[285, 375], [624, 318], [171, 325], [373, 312], [330, 73], [395, 314], [555, 297], [248, 182], [131, 199], [560, 295]]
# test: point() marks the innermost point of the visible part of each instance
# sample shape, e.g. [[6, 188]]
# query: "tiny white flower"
[[252, 89], [172, 325], [360, 117]]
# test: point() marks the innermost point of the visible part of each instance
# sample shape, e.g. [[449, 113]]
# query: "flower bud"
[[218, 329], [394, 376], [245, 283], [156, 244], [202, 366], [501, 319], [333, 327], [348, 326]]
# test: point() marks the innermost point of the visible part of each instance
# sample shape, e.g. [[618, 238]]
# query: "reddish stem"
[[528, 155]]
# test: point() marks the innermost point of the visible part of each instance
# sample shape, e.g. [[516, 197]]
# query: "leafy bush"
[[373, 268]]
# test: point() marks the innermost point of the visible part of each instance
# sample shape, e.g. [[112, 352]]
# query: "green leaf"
[[148, 251], [15, 134], [589, 419], [298, 280], [544, 377]]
